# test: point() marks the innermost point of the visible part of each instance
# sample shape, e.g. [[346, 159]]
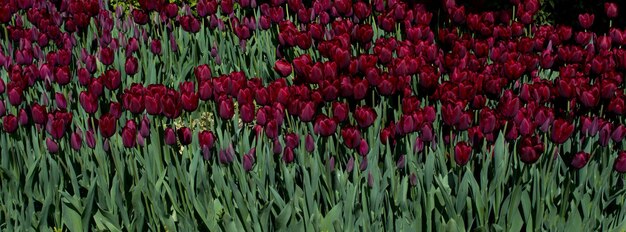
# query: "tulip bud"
[[462, 153], [184, 135], [52, 146], [288, 156], [309, 143], [9, 123], [620, 162], [170, 136], [579, 160], [611, 10], [90, 139], [363, 165], [226, 156], [248, 161], [363, 148], [76, 141]]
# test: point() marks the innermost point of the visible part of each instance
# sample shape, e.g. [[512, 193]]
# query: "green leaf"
[[72, 219]]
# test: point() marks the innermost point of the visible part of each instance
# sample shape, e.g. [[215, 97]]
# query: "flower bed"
[[291, 115]]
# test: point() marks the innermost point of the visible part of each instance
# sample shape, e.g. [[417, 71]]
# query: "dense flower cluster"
[[482, 74]]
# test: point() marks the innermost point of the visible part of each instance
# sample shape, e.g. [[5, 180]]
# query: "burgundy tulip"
[[3, 109], [283, 67], [292, 140], [226, 108], [340, 111], [531, 149], [586, 20], [170, 136], [325, 126], [620, 162], [202, 73], [76, 140], [131, 65], [365, 116], [206, 139], [144, 128], [107, 125], [129, 134], [52, 146], [88, 101], [561, 131], [22, 117], [579, 160], [248, 160], [9, 123], [90, 139], [288, 156], [226, 156], [462, 153], [351, 136], [611, 10], [184, 136], [309, 143], [363, 148]]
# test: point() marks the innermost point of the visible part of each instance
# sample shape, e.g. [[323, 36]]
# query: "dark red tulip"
[[90, 139], [351, 136], [307, 111], [283, 67], [586, 20], [206, 139], [309, 143], [288, 156], [248, 160], [325, 126], [140, 17], [611, 10], [9, 123], [15, 96], [184, 135], [246, 112], [107, 56], [88, 101], [112, 79], [202, 73], [579, 160], [530, 149], [22, 117], [131, 65], [561, 131], [52, 146], [3, 109], [292, 140], [226, 156], [76, 140], [155, 47], [340, 111], [462, 153], [60, 100], [620, 162], [115, 109], [365, 116], [38, 113], [170, 136], [107, 125], [363, 148], [144, 128], [129, 134], [171, 104], [226, 108]]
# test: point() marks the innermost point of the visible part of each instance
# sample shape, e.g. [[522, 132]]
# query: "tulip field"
[[320, 115]]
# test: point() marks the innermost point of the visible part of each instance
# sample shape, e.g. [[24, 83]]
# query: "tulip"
[[90, 139], [112, 79], [184, 135], [309, 143], [620, 162], [9, 123], [364, 164], [579, 160], [15, 96], [561, 131], [3, 108], [611, 10], [292, 140], [129, 134], [22, 117], [365, 116], [170, 136], [325, 126], [88, 101], [462, 153], [283, 67], [76, 140], [288, 156], [531, 149], [131, 65], [226, 156], [107, 125], [155, 47], [115, 109], [351, 136], [226, 108], [107, 56], [248, 161], [363, 148], [586, 20], [52, 146], [350, 164], [308, 111]]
